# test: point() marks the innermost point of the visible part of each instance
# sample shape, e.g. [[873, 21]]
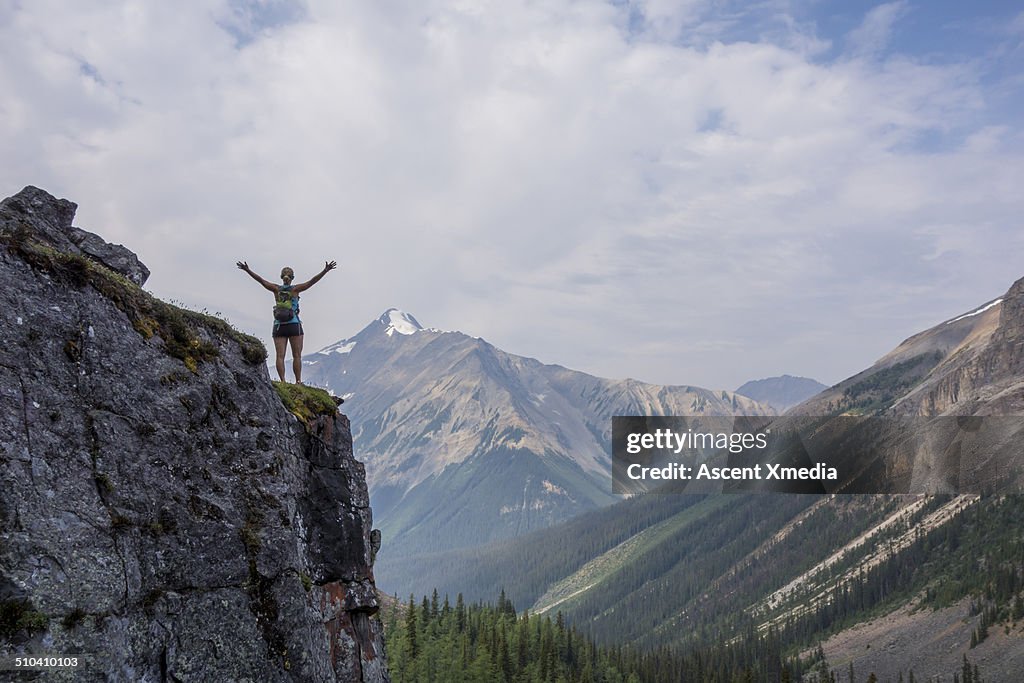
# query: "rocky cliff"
[[985, 376], [161, 511]]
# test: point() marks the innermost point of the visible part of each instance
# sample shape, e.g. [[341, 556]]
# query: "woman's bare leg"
[[280, 344], [296, 343]]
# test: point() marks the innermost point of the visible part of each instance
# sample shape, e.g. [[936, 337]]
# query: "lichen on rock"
[[160, 508]]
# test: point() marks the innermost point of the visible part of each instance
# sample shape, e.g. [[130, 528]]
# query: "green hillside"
[[693, 572], [563, 594], [529, 565]]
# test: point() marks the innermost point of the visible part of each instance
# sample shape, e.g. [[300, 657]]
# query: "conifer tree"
[[425, 611], [460, 613], [410, 628]]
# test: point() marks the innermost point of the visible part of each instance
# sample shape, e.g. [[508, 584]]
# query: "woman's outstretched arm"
[[329, 266], [267, 285]]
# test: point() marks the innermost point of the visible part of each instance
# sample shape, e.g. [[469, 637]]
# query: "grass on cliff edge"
[[305, 402], [149, 316]]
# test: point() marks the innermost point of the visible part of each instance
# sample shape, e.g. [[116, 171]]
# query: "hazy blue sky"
[[696, 192]]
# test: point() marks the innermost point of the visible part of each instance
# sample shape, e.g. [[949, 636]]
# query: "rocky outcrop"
[[160, 510], [983, 378], [49, 220]]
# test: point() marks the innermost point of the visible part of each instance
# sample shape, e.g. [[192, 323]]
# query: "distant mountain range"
[[781, 393], [850, 573], [465, 443]]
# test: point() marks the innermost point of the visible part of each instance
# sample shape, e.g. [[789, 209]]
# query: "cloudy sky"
[[680, 191]]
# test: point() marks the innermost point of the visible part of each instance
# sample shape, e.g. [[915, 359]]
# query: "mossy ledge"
[[306, 403], [149, 315]]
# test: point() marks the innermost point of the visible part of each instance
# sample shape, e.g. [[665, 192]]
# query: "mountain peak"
[[781, 392], [395, 320]]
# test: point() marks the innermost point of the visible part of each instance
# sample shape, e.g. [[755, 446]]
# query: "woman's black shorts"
[[288, 330]]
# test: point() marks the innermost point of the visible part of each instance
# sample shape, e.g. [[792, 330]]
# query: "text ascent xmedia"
[[670, 440]]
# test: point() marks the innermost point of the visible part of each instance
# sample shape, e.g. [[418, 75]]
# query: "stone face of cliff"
[[160, 510], [985, 375]]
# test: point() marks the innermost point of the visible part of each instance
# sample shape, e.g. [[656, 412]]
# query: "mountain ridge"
[[506, 443], [919, 365], [682, 570]]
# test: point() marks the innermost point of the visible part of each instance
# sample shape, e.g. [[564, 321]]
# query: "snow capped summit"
[[392, 320], [399, 321]]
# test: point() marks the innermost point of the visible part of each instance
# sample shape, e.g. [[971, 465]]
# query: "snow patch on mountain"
[[344, 346], [977, 312]]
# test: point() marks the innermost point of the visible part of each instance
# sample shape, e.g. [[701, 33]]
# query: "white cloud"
[[666, 20], [875, 32], [533, 173]]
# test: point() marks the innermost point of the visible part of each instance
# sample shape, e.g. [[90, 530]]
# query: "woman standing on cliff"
[[287, 326]]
